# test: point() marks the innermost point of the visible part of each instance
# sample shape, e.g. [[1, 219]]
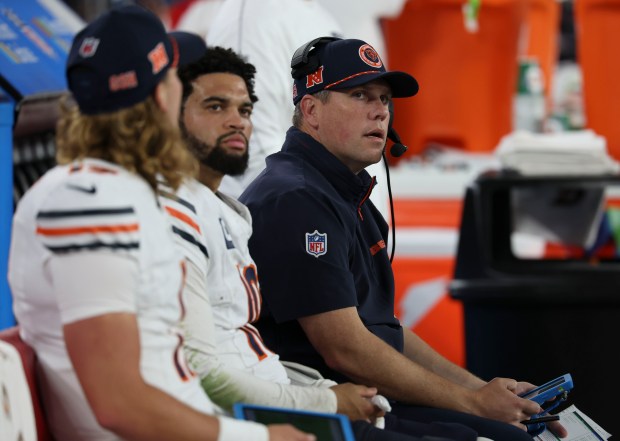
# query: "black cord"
[[397, 150], [393, 221]]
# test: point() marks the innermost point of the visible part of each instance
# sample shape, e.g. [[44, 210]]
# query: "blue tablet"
[[326, 426], [550, 390]]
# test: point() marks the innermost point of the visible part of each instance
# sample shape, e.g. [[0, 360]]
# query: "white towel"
[[569, 153]]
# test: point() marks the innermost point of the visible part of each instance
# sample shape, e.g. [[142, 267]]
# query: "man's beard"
[[217, 158]]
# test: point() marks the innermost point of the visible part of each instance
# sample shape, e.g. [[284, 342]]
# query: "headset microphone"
[[398, 149]]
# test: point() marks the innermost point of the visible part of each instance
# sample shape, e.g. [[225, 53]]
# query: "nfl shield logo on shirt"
[[316, 243]]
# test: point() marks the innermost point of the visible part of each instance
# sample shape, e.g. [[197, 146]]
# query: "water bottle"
[[529, 101]]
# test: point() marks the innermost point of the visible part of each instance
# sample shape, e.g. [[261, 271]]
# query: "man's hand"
[[554, 426], [497, 400], [285, 432], [354, 401], [557, 428], [523, 387]]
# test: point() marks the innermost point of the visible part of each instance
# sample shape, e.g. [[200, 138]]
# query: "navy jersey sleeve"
[[301, 248]]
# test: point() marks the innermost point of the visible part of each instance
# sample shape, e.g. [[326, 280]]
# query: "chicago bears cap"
[[117, 60], [343, 64]]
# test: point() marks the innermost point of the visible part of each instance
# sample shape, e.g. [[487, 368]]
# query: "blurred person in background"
[[364, 20], [267, 32], [197, 17]]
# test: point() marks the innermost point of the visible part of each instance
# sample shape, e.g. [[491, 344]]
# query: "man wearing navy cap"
[[326, 278], [94, 271]]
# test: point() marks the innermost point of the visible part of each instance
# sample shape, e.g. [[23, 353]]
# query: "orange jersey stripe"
[[180, 363], [84, 230], [103, 170], [183, 217]]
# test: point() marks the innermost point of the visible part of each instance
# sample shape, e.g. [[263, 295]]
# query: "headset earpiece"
[[398, 148], [303, 63]]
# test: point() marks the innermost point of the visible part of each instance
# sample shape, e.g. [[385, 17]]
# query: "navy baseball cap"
[[346, 63], [192, 46], [117, 60]]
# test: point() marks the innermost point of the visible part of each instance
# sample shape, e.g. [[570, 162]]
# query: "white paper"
[[580, 427]]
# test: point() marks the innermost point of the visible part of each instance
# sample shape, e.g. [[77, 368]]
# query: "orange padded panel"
[[441, 324]]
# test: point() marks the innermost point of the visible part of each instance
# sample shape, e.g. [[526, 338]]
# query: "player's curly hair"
[[139, 138], [218, 60]]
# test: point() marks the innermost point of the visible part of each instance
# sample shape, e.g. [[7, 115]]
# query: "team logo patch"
[[315, 78], [89, 47], [370, 56], [316, 243], [294, 91], [158, 58]]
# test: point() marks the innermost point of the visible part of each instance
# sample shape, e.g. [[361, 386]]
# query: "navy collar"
[[354, 187]]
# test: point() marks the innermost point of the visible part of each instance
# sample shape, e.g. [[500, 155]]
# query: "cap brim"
[[402, 84], [188, 47]]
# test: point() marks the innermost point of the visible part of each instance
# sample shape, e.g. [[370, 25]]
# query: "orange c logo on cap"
[[370, 56]]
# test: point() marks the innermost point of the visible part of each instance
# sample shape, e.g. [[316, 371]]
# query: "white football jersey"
[[213, 230], [94, 214]]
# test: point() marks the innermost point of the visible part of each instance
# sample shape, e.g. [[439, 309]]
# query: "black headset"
[[398, 149], [305, 62]]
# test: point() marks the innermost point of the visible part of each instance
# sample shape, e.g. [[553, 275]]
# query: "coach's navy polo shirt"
[[319, 245]]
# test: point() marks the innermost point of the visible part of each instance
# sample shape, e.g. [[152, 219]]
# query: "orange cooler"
[[467, 79], [598, 34]]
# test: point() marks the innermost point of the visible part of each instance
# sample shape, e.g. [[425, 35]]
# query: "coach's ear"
[[310, 109]]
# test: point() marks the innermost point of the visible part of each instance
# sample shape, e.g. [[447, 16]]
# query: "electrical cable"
[[397, 150]]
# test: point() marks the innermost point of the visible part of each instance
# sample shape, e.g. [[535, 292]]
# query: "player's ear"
[[310, 110], [163, 93], [159, 95]]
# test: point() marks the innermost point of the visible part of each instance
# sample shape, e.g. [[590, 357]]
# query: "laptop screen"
[[328, 427]]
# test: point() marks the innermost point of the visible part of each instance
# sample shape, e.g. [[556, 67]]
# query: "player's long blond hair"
[[139, 138]]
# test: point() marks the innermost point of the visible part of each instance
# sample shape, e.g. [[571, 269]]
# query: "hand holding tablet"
[[549, 396]]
